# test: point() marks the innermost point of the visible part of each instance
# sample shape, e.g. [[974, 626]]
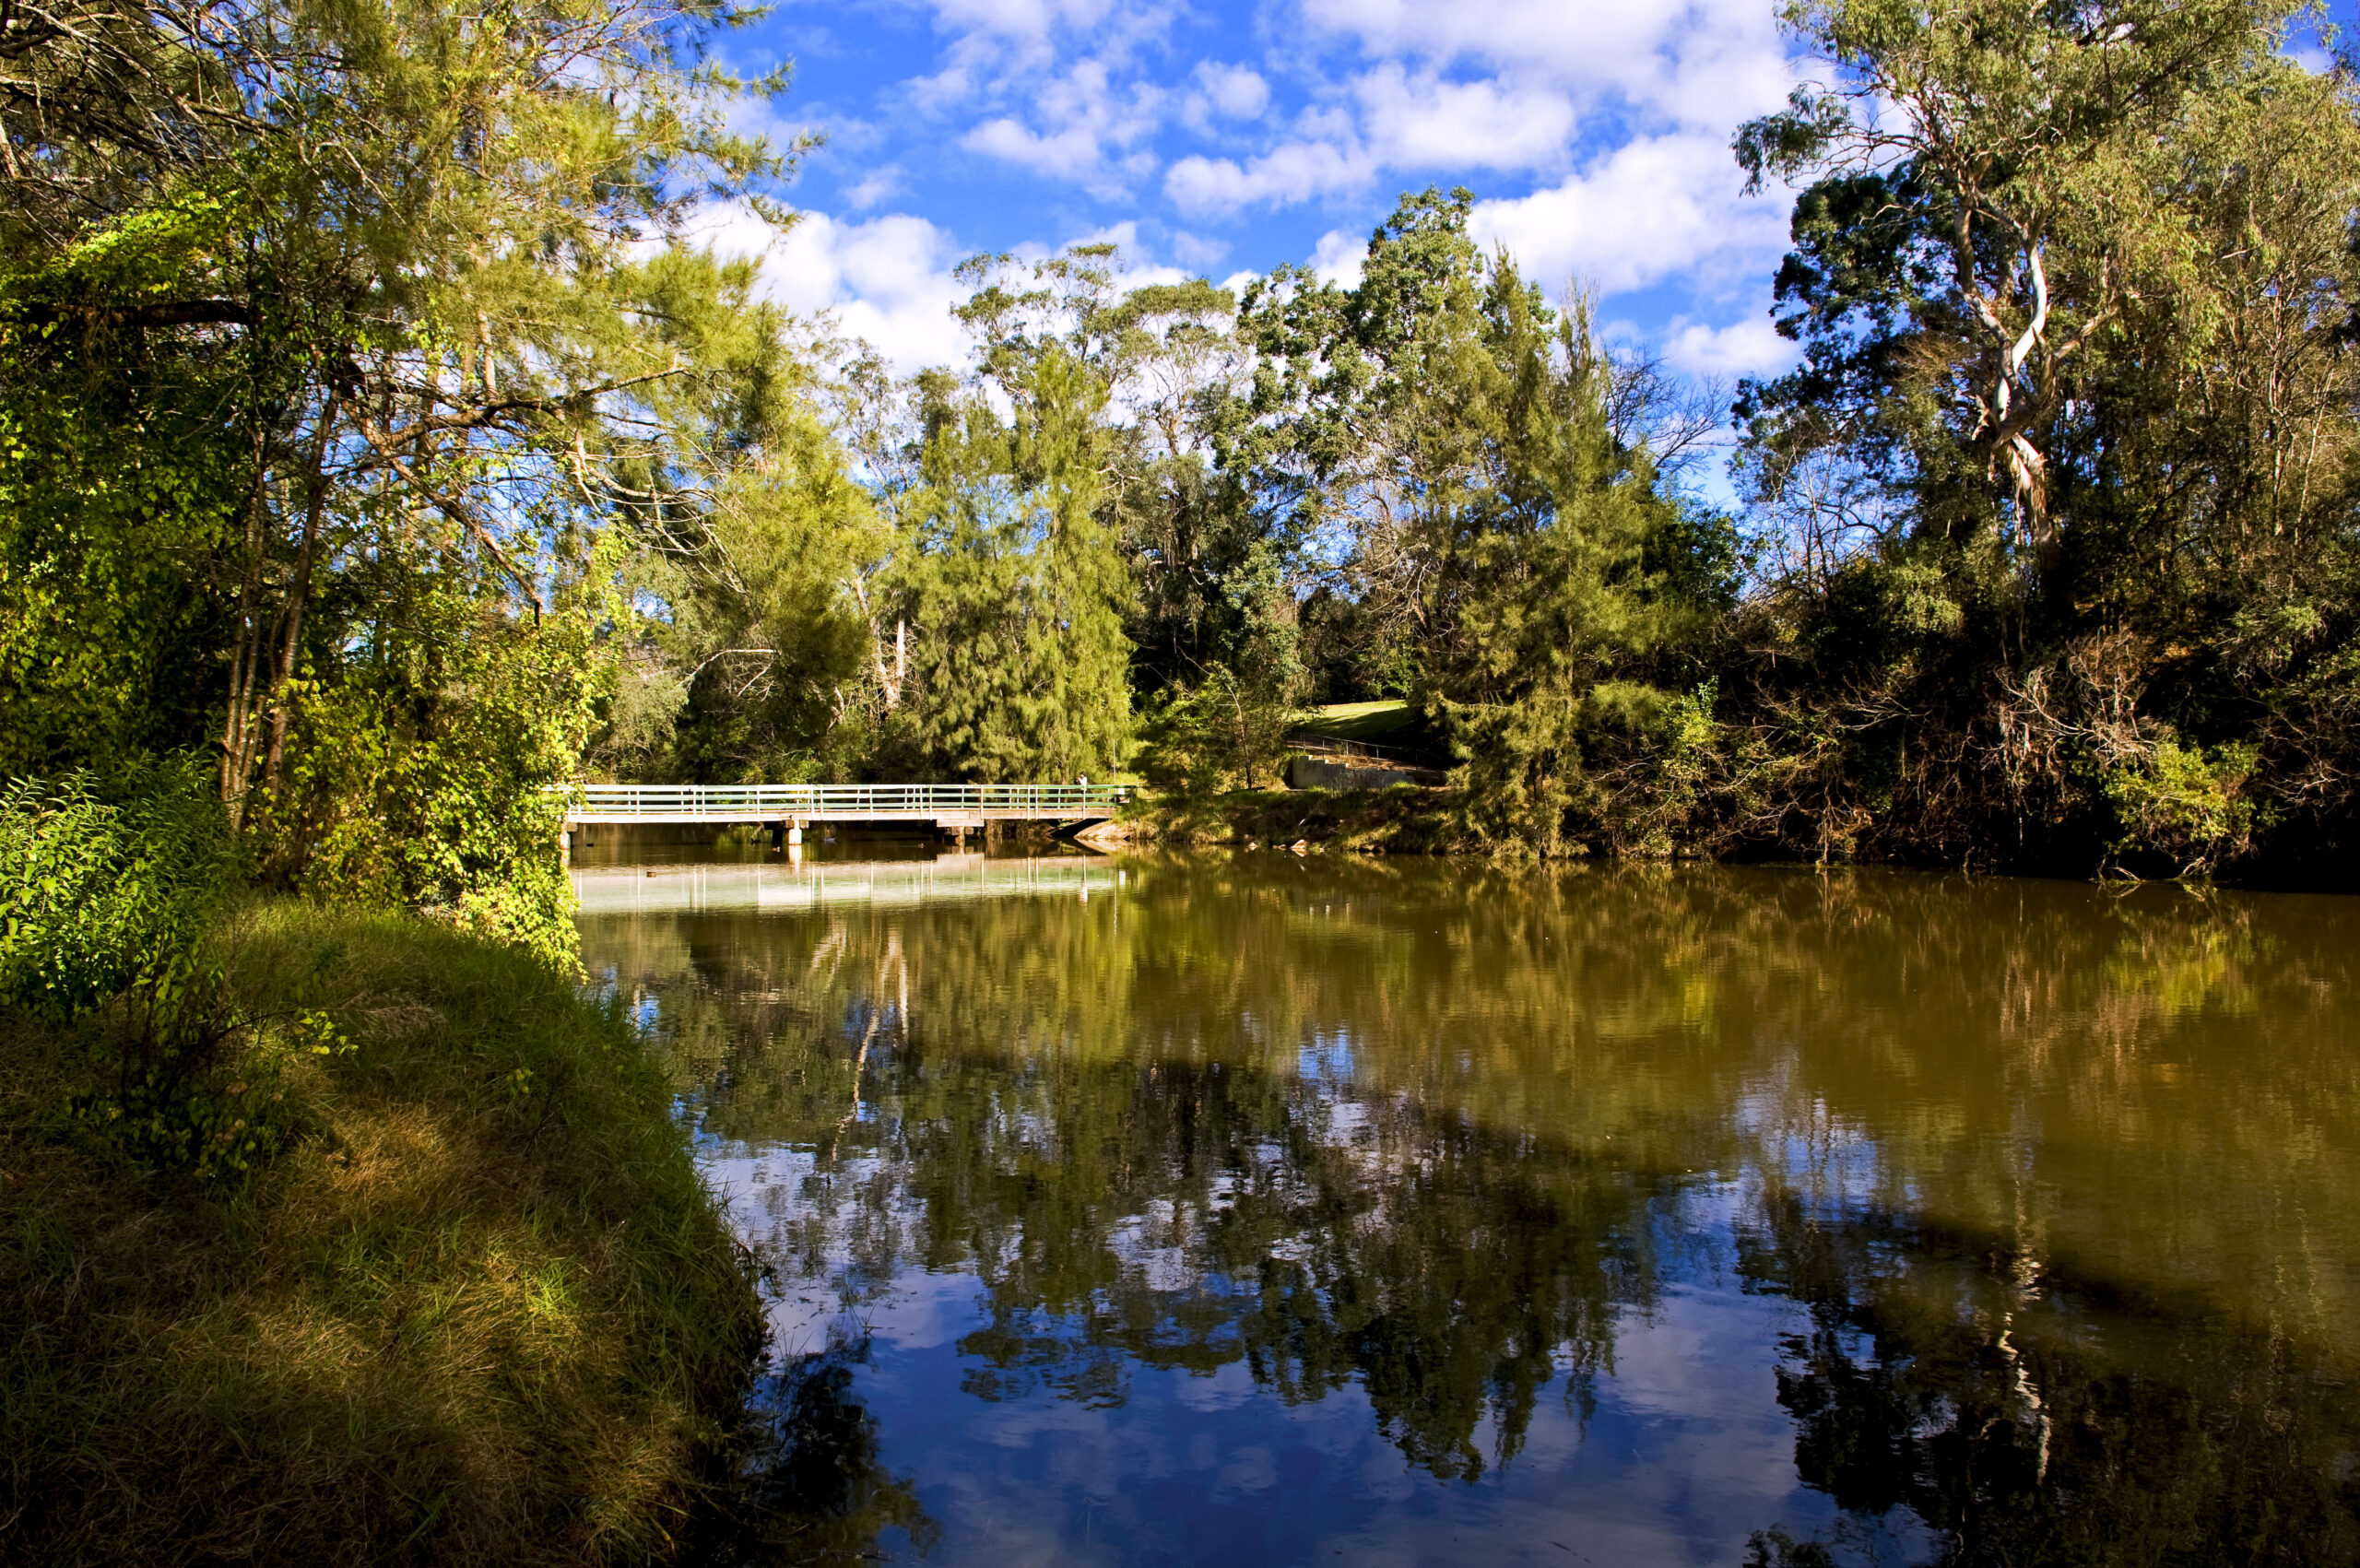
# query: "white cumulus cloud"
[[887, 280], [1700, 61], [1747, 347], [1198, 251], [1070, 151], [1233, 92], [1426, 123], [1088, 125], [876, 185], [1601, 133], [1340, 256], [1018, 18], [1655, 208], [1291, 171]]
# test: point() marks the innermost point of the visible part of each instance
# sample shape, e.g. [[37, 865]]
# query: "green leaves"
[[331, 338], [1778, 146], [1017, 587], [2073, 425], [107, 885], [421, 778], [113, 886]]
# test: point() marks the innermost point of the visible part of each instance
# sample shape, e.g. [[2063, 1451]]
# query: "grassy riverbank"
[[477, 1307]]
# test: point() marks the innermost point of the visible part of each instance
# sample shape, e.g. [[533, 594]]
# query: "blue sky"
[[1220, 138]]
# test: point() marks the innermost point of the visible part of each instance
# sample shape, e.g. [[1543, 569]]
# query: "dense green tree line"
[[372, 426]]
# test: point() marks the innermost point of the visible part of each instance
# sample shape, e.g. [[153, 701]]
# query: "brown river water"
[[1268, 1208]]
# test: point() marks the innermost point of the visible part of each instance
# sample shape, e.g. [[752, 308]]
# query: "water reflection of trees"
[[1194, 1215], [2028, 1421], [1418, 1128], [812, 1488], [1190, 1216]]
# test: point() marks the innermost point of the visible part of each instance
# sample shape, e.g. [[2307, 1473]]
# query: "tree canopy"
[[372, 423]]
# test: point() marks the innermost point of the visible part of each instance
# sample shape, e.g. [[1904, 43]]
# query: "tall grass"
[[477, 1306]]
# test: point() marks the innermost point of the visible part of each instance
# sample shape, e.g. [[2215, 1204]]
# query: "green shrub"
[[107, 886], [114, 886], [1222, 733], [418, 781], [2184, 805]]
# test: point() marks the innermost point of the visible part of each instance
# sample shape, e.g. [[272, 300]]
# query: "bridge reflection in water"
[[697, 887]]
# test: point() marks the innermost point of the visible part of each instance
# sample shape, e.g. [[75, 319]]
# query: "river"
[[1278, 1208]]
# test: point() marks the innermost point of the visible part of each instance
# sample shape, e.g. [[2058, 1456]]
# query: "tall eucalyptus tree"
[[2065, 473]]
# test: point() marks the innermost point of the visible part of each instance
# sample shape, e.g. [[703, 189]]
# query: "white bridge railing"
[[841, 802]]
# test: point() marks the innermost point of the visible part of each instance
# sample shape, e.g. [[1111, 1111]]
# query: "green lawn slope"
[[1366, 722], [478, 1308]]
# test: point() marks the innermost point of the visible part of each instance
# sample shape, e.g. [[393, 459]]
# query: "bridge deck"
[[963, 806]]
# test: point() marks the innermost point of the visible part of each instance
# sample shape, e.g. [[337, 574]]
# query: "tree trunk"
[[237, 725], [299, 592]]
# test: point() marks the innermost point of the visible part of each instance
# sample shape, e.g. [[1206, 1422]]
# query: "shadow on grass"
[[482, 1309]]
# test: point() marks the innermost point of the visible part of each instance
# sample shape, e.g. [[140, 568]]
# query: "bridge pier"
[[959, 824]]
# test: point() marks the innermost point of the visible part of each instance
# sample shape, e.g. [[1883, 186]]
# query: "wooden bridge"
[[955, 808]]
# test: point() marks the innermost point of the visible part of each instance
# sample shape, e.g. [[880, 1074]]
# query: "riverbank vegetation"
[[376, 422], [382, 451], [1401, 820], [2042, 556], [339, 1238], [328, 337]]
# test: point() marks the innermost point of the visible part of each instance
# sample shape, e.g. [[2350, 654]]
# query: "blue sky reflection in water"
[[1288, 1210]]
